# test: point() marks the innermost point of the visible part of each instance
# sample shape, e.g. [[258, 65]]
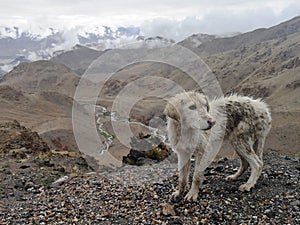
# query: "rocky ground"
[[134, 195]]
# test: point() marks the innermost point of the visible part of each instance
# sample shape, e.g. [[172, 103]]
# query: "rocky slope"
[[40, 95], [78, 59], [39, 186], [131, 196], [42, 76], [28, 166], [258, 36]]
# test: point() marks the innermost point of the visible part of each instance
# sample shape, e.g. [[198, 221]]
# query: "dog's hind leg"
[[259, 147], [184, 170], [246, 151], [243, 167]]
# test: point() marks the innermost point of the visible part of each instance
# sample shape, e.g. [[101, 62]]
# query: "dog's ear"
[[171, 112]]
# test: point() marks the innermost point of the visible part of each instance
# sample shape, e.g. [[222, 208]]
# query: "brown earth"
[[40, 96], [77, 59], [263, 63]]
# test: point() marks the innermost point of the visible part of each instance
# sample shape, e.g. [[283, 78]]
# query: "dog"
[[197, 126]]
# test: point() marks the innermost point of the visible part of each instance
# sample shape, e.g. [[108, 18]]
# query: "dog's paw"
[[192, 195], [245, 187], [231, 178]]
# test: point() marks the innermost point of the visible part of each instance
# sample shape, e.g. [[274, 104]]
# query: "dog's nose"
[[211, 122]]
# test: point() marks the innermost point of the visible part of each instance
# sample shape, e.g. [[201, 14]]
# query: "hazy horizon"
[[171, 19]]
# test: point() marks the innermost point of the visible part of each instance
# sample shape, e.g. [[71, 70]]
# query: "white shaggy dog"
[[243, 120]]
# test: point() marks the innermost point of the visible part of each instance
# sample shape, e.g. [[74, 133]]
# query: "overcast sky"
[[170, 18]]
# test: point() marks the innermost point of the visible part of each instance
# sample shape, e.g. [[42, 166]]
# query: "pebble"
[[168, 210], [295, 203], [60, 181], [141, 196]]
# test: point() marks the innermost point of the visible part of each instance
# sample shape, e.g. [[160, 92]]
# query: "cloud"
[[169, 28], [175, 19], [222, 19], [33, 56], [7, 68]]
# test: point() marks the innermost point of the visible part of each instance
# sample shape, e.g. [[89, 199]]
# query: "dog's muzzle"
[[211, 123]]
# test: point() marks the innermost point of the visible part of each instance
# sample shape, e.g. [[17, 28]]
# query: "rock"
[[24, 167], [295, 203], [144, 161], [168, 210], [135, 195], [17, 138], [158, 153], [60, 181], [48, 163], [219, 168], [29, 185], [133, 156], [270, 213], [20, 152], [141, 144], [105, 215]]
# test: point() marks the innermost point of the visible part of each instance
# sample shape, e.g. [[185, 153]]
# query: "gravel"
[[142, 195]]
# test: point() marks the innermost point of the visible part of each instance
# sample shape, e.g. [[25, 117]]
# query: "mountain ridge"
[[256, 36], [269, 69]]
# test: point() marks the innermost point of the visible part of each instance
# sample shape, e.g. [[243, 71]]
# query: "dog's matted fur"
[[193, 121]]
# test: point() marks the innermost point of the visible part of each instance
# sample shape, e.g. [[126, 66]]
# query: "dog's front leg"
[[197, 180], [184, 170]]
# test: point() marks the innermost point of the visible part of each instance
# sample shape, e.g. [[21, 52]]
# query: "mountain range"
[[14, 40], [42, 44], [263, 63]]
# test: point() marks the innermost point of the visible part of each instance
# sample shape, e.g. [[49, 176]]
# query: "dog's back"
[[244, 114]]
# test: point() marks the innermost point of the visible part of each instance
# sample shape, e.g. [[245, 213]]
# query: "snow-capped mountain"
[[38, 43], [33, 34], [5, 67], [43, 42]]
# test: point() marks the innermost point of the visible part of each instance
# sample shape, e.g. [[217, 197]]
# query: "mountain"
[[10, 64], [196, 40], [14, 41], [74, 47], [40, 43], [218, 45], [42, 76], [78, 59], [40, 96], [263, 63]]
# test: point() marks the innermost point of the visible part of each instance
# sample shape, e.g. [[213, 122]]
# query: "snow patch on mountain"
[[36, 43]]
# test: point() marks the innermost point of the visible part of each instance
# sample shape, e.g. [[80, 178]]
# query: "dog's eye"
[[192, 107], [207, 107]]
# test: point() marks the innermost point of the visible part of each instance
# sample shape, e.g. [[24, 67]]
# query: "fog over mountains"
[[18, 45], [14, 40]]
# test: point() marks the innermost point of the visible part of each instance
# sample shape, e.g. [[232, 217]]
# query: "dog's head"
[[191, 109]]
